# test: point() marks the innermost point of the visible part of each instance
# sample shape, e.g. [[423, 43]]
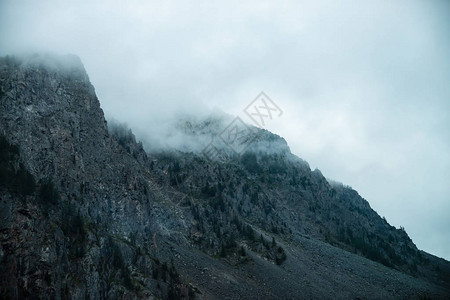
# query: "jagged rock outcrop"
[[90, 214]]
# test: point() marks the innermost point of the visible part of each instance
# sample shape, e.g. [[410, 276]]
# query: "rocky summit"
[[87, 213]]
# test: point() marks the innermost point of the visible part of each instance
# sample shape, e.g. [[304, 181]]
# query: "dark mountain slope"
[[85, 239], [86, 213]]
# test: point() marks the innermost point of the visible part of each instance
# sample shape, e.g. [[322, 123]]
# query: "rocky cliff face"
[[80, 242], [87, 213]]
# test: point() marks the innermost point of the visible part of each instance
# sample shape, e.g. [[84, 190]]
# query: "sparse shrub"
[[208, 190], [248, 159], [20, 180], [117, 259], [279, 259], [127, 282], [48, 194], [155, 272], [277, 167], [223, 251], [218, 203], [164, 269], [7, 150], [73, 226], [249, 233], [242, 251], [24, 181]]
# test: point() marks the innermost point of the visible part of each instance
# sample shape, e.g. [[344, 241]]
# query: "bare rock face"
[[85, 212], [50, 110]]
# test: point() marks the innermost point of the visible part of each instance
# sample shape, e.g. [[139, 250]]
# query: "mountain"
[[87, 213]]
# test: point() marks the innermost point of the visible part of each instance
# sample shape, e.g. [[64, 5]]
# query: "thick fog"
[[364, 88]]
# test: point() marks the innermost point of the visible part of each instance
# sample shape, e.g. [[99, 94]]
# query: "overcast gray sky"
[[365, 88]]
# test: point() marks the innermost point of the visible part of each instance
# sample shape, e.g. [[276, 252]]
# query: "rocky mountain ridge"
[[90, 214]]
